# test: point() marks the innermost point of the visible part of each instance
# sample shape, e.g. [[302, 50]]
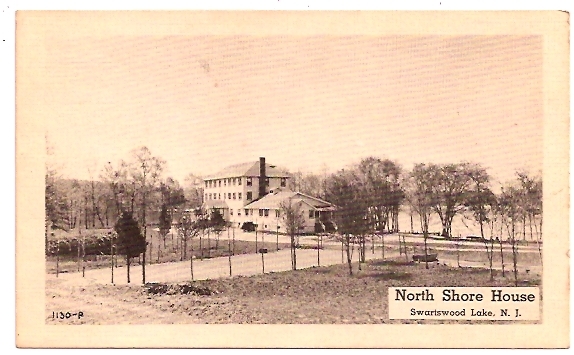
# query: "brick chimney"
[[262, 178]]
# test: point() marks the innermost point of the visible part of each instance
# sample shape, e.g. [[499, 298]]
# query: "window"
[[219, 183], [246, 212], [277, 213], [206, 184], [239, 212], [229, 195], [251, 212], [231, 212], [311, 214], [249, 195], [249, 181], [234, 182], [219, 196], [266, 212], [283, 182], [206, 196], [239, 196], [234, 195], [260, 213], [316, 214], [239, 181], [224, 182]]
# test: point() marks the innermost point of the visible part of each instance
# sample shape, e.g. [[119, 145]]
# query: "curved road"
[[252, 264]]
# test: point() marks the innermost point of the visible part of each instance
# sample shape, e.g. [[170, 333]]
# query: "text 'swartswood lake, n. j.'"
[[471, 303]]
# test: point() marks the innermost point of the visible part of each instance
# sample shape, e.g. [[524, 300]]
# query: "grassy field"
[[170, 253], [324, 295], [464, 251]]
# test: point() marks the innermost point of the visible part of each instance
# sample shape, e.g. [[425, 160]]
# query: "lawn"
[[207, 248], [323, 295]]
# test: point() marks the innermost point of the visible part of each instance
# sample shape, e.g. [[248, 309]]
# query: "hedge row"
[[92, 245]]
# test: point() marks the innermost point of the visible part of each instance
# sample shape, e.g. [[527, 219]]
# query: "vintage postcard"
[[292, 179]]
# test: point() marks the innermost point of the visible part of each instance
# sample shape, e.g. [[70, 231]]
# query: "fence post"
[[318, 249], [342, 250], [229, 252], [112, 256]]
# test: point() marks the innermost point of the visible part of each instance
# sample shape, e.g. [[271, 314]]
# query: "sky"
[[307, 103]]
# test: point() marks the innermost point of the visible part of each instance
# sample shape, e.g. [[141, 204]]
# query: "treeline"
[[137, 185], [369, 196]]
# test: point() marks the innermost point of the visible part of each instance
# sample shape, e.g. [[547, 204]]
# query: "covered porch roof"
[[215, 204]]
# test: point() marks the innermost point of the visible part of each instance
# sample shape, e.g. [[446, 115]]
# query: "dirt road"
[[242, 265]]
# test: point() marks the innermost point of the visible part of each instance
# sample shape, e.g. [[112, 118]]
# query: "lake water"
[[461, 225]]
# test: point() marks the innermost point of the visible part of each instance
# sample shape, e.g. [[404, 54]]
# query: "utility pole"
[[144, 222], [318, 249], [342, 250], [84, 257], [80, 232], [383, 245], [229, 248], [57, 257], [112, 255]]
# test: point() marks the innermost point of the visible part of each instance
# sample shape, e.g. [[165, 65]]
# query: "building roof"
[[247, 169], [274, 200], [216, 204]]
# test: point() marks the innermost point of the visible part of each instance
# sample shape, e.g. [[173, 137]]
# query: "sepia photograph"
[[300, 169]]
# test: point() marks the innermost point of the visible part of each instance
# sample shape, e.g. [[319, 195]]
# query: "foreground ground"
[[319, 295]]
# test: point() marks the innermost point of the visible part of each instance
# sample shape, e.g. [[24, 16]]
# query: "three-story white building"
[[253, 192]]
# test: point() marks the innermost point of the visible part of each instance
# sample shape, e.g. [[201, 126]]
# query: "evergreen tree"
[[131, 242]]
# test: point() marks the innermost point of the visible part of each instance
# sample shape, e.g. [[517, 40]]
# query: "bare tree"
[[421, 198], [172, 195], [531, 193], [165, 220], [510, 201], [482, 202], [346, 189], [56, 216], [217, 224], [146, 171], [56, 209], [449, 186], [294, 221], [117, 179], [384, 195], [189, 229]]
